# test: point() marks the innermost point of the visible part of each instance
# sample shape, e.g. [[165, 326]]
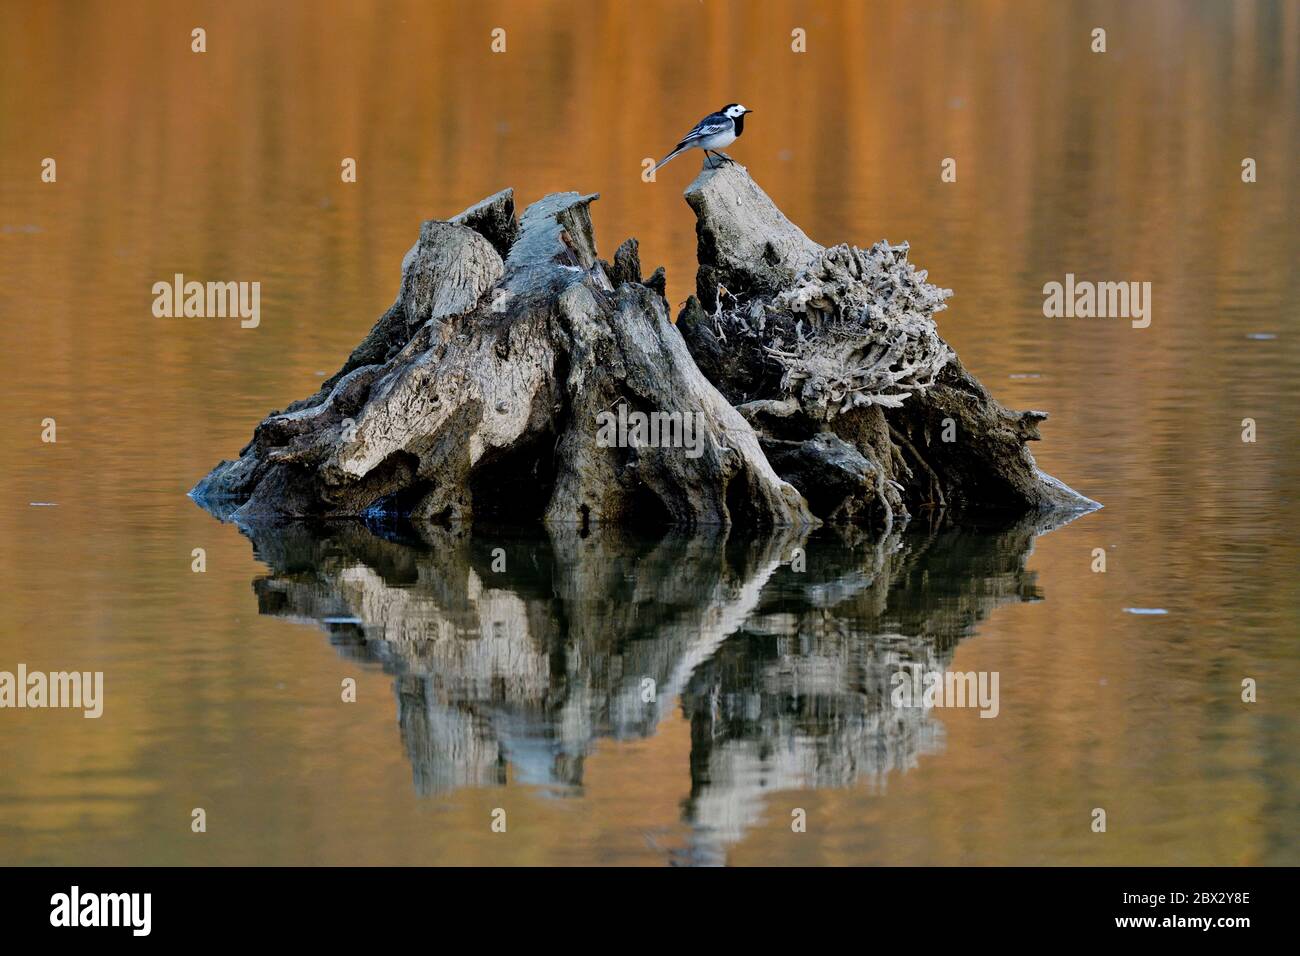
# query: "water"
[[520, 689]]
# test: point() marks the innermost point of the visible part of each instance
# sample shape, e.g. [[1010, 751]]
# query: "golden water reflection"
[[225, 165], [514, 657]]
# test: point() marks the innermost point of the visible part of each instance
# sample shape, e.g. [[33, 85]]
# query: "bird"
[[712, 133]]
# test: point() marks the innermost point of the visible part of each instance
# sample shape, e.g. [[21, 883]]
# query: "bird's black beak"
[[749, 111]]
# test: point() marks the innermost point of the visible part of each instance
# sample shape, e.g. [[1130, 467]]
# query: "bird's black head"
[[736, 111]]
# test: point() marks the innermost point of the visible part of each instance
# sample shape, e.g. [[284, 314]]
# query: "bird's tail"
[[681, 148]]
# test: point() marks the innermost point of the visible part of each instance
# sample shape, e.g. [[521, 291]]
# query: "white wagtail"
[[713, 132]]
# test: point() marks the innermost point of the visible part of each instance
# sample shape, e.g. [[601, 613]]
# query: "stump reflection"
[[514, 654]]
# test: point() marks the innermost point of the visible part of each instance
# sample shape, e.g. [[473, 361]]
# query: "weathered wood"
[[841, 343], [480, 389], [483, 388]]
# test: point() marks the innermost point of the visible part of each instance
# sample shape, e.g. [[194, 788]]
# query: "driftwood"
[[834, 355], [801, 384]]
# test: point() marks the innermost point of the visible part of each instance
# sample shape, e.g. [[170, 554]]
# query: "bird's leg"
[[711, 156], [725, 158]]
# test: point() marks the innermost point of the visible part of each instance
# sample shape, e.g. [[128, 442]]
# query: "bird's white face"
[[737, 110]]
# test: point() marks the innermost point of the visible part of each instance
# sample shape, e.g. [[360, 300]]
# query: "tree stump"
[[814, 381], [834, 355]]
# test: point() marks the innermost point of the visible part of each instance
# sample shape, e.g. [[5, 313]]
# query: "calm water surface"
[[479, 689]]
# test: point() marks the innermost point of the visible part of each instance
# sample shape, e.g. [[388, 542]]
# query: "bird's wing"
[[711, 125]]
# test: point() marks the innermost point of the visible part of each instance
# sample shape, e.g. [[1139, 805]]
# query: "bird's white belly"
[[718, 140]]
